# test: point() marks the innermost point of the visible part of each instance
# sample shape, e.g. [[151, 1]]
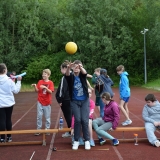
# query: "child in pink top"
[[92, 106]]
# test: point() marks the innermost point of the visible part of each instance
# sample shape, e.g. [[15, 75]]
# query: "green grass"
[[153, 84]]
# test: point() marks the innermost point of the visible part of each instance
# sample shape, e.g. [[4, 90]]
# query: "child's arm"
[[92, 106], [83, 71], [89, 85], [35, 87]]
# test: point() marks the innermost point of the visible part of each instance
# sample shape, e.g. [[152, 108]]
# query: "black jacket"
[[70, 80], [62, 93]]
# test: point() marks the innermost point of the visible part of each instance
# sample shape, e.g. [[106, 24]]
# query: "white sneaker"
[[87, 145], [75, 145], [65, 135], [157, 143], [127, 122]]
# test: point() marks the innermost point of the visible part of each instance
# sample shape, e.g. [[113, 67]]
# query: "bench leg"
[[44, 140]]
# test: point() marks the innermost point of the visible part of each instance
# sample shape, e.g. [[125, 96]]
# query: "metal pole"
[[145, 68]]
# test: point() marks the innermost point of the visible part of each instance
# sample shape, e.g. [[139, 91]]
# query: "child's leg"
[[47, 115], [90, 129], [150, 129], [75, 106], [123, 110], [97, 103], [84, 111], [66, 109], [39, 115], [126, 108]]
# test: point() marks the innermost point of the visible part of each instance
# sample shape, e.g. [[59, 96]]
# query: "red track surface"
[[24, 117]]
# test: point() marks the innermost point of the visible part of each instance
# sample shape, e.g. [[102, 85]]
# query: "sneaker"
[[92, 142], [9, 139], [157, 143], [2, 141], [37, 134], [127, 122], [87, 145], [81, 142], [47, 134], [75, 145], [102, 141], [65, 135], [115, 142]]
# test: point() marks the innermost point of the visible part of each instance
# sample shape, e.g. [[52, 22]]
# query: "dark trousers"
[[5, 120], [81, 115], [66, 109]]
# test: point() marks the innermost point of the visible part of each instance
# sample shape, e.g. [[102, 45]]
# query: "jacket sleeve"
[[110, 81], [145, 115], [15, 87], [58, 98]]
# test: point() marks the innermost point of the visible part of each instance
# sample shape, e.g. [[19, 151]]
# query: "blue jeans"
[[101, 107]]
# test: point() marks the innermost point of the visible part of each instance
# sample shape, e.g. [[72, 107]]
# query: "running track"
[[24, 117]]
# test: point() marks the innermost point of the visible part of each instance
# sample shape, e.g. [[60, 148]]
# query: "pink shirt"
[[92, 106]]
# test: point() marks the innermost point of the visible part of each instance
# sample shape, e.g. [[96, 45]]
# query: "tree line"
[[33, 34]]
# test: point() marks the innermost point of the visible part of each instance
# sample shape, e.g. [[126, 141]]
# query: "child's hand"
[[33, 85], [43, 87], [19, 78], [70, 65], [111, 129], [156, 124]]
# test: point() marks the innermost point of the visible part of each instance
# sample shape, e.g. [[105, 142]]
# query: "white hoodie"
[[7, 88]]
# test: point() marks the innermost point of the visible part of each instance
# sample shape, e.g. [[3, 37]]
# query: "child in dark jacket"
[[62, 96], [109, 121]]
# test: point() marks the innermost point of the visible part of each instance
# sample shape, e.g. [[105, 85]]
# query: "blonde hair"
[[97, 69], [106, 96], [48, 71], [120, 68]]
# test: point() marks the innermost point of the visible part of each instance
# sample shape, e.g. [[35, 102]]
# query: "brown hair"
[[48, 71], [77, 62], [120, 68], [106, 96], [64, 64], [2, 68], [150, 97]]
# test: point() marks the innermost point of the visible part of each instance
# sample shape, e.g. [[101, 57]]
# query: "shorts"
[[97, 101], [126, 99]]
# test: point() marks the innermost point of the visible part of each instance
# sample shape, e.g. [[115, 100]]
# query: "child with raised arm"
[[109, 121], [7, 101], [45, 87], [91, 106], [78, 91], [124, 92], [151, 117], [62, 97]]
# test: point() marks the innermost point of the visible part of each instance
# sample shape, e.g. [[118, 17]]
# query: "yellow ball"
[[71, 48]]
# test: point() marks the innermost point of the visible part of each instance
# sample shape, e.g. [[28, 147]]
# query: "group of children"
[[74, 98]]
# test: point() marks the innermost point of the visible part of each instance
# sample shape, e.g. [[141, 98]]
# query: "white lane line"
[[53, 137], [32, 155], [23, 116]]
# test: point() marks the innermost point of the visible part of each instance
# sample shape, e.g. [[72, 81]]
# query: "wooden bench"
[[42, 131]]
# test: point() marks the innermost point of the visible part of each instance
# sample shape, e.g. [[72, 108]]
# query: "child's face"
[[63, 70], [97, 73], [119, 72], [45, 76], [150, 103], [76, 68]]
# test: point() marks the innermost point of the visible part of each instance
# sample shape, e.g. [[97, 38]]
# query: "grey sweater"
[[151, 114]]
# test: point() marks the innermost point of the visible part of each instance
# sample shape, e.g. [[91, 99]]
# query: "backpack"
[[99, 85]]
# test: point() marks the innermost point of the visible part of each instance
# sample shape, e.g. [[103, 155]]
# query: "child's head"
[[76, 68], [120, 69], [64, 66], [97, 71], [3, 68], [46, 74], [89, 92], [103, 72], [150, 99], [13, 73], [106, 97]]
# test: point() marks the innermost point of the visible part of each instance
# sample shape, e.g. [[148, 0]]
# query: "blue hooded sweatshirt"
[[124, 85]]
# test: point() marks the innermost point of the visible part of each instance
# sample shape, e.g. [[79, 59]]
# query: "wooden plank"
[[29, 131], [21, 143], [129, 129]]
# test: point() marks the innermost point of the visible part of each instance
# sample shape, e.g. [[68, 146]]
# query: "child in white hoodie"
[[7, 101]]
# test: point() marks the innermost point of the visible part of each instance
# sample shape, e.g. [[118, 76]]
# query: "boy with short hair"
[[151, 116], [45, 87], [79, 96]]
